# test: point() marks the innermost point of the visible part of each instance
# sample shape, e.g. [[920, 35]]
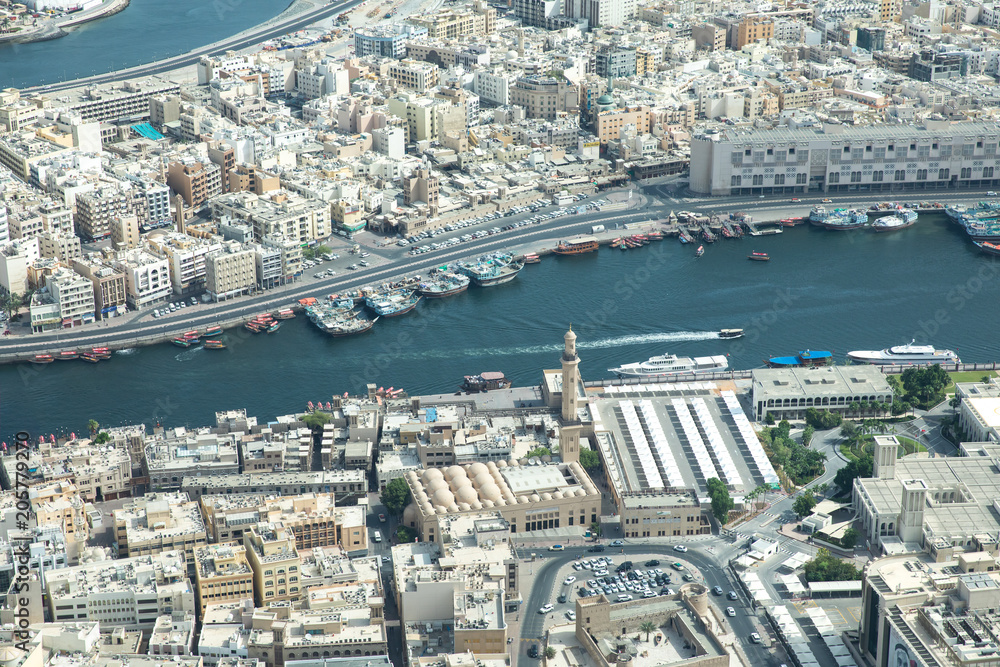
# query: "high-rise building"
[[388, 41], [4, 227], [196, 182], [601, 13], [537, 13], [230, 271]]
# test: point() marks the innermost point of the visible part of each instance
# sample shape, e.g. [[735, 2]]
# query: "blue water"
[[144, 32], [836, 291]]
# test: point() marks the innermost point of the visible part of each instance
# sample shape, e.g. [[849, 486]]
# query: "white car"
[[571, 615], [681, 548], [730, 611], [546, 609], [569, 580]]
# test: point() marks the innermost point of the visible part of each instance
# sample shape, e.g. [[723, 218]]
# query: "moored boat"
[[904, 355], [700, 251], [192, 335], [69, 354], [180, 341], [102, 352], [285, 314], [42, 359], [444, 284], [214, 345], [213, 330], [759, 257], [485, 382], [491, 270], [576, 246], [274, 326], [90, 357], [805, 358], [393, 304], [669, 364], [988, 248], [532, 258]]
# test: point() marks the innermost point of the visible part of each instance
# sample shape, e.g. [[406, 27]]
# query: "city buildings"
[[788, 392], [160, 522]]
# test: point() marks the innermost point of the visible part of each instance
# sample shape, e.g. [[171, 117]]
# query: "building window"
[[758, 179], [855, 177], [779, 179], [900, 174], [943, 174], [835, 177], [800, 179], [876, 177], [966, 172], [987, 172], [735, 181], [921, 174]]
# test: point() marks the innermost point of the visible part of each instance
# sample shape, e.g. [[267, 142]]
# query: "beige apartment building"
[[479, 20], [195, 182], [543, 96], [610, 123], [60, 503], [222, 574], [230, 271], [109, 284], [275, 563], [95, 211], [160, 522]]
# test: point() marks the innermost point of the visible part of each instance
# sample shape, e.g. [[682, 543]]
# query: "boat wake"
[[601, 343], [127, 352], [187, 355]]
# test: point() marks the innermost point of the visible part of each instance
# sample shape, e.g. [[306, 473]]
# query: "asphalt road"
[[711, 566], [245, 40]]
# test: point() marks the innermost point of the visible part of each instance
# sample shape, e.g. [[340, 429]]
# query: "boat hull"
[[341, 333], [499, 280], [882, 229], [638, 374], [439, 295]]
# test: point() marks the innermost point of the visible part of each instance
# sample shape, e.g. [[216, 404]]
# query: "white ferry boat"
[[904, 354], [667, 365]]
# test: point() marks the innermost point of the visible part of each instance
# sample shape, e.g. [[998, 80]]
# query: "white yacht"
[[670, 364], [905, 354]]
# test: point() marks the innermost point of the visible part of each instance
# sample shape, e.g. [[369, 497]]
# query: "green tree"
[[848, 430], [854, 408], [954, 401], [102, 438], [821, 488], [648, 627], [406, 535], [823, 419], [10, 303], [550, 652], [93, 426], [804, 503], [539, 451], [845, 477], [807, 434], [849, 538], [595, 528], [722, 503], [827, 567], [590, 461], [315, 420], [768, 419], [396, 496]]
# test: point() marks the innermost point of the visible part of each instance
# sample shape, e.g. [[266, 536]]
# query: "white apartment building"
[[494, 87], [601, 13], [147, 278], [4, 227], [186, 255], [74, 294], [937, 154], [128, 592]]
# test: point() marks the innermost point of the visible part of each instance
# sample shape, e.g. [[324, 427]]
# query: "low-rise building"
[[343, 483], [275, 563], [160, 522], [787, 393], [222, 574]]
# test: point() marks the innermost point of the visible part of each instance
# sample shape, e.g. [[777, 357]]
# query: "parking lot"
[[537, 218]]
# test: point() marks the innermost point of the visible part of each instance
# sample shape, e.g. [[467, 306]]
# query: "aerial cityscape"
[[479, 333]]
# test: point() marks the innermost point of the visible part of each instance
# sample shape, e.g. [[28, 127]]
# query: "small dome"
[[432, 474], [557, 494], [467, 494], [454, 472], [602, 101], [461, 483], [464, 507], [580, 493], [477, 469], [500, 464], [420, 496], [487, 503], [490, 492], [501, 503], [453, 507], [427, 508], [484, 478], [411, 476], [534, 498], [512, 55], [522, 500], [546, 496], [491, 466], [436, 485], [476, 505], [410, 514], [443, 498]]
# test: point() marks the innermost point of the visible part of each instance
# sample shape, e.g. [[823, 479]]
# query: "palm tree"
[[854, 407], [648, 627], [550, 652], [93, 426]]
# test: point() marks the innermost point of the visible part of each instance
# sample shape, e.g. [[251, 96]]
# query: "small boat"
[[576, 246], [532, 258], [988, 248], [42, 359], [90, 357], [254, 326], [806, 358], [180, 341], [485, 382], [274, 326], [102, 352], [213, 330], [285, 314], [214, 345], [759, 257], [69, 354], [684, 237], [192, 335], [444, 284], [731, 333], [700, 251]]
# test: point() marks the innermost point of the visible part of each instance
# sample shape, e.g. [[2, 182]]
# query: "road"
[[710, 564], [247, 39], [397, 262]]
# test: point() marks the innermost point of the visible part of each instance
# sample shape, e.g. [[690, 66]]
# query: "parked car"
[[557, 547], [617, 543], [381, 517], [730, 611], [754, 637], [546, 608]]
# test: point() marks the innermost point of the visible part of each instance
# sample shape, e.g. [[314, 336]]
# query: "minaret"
[[569, 432]]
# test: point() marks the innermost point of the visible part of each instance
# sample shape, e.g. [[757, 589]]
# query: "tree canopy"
[[722, 503], [315, 420], [405, 535], [822, 419], [590, 461], [800, 463], [540, 451], [827, 567], [924, 385], [804, 504], [845, 477], [396, 496]]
